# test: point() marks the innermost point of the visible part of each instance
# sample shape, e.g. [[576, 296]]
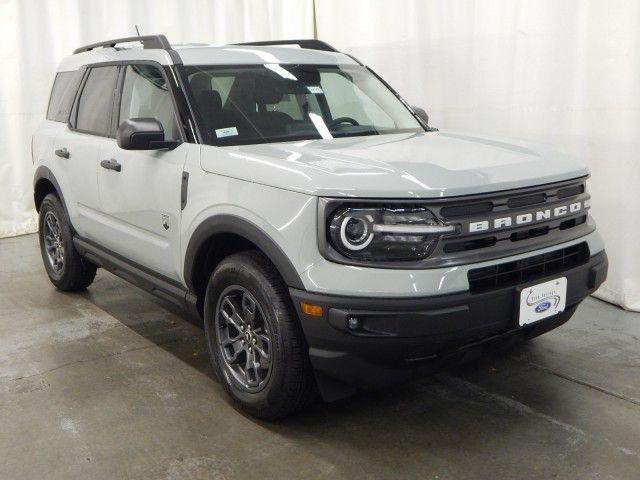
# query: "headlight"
[[387, 233]]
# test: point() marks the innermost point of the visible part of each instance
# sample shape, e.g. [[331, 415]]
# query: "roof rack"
[[309, 43], [148, 41]]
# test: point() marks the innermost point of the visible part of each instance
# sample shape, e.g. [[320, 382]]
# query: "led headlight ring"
[[363, 240]]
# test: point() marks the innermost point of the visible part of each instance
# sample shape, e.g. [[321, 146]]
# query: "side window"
[[145, 93], [62, 94], [96, 101]]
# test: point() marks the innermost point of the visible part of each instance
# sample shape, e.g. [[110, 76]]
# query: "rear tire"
[[257, 346], [66, 269]]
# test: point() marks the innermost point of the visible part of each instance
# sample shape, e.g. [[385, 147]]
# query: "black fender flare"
[[236, 225], [43, 173]]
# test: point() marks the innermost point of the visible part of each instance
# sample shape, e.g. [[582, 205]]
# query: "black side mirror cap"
[[422, 113], [143, 134]]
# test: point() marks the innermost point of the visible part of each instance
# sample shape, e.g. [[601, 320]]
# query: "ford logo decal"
[[543, 306]]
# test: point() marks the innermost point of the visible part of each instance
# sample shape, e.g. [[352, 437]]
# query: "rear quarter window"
[[63, 92]]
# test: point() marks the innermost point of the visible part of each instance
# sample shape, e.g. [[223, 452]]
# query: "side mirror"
[[143, 134], [422, 114]]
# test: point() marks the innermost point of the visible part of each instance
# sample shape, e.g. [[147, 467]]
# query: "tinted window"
[[145, 93], [96, 101], [62, 94]]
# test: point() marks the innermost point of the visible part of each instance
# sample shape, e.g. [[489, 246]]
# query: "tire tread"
[[298, 387]]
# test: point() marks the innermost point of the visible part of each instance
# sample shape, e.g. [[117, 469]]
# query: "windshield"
[[277, 103]]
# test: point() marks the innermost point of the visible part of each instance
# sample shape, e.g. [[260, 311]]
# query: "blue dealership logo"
[[543, 306]]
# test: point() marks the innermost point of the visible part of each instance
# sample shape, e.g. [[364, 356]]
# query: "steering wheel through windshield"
[[341, 120]]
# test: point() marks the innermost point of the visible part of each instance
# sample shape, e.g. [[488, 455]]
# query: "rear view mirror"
[[143, 134]]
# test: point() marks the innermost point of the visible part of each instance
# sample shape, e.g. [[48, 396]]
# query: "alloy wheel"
[[244, 341], [53, 242]]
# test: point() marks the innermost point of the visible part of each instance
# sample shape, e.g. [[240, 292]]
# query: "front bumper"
[[399, 338]]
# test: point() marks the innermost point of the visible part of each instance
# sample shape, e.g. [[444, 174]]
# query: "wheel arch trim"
[[44, 173], [224, 223]]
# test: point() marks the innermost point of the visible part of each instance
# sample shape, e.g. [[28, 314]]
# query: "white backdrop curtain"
[[565, 73]]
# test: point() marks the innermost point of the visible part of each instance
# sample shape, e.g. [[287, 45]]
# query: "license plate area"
[[542, 300]]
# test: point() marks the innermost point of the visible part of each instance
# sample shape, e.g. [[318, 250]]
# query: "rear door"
[[141, 203], [63, 93], [77, 148]]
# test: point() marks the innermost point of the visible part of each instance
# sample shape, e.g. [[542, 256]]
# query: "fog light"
[[353, 323]]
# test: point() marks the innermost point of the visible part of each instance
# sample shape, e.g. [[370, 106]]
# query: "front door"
[[141, 201]]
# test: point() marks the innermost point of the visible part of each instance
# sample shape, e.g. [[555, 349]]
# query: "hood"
[[423, 165]]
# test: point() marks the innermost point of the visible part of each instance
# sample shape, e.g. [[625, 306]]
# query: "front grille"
[[527, 200], [482, 232], [570, 191], [456, 211], [528, 269]]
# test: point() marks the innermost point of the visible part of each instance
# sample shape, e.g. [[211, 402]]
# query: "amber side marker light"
[[310, 309]]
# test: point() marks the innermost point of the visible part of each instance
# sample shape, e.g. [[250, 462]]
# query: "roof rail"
[[309, 43], [148, 41]]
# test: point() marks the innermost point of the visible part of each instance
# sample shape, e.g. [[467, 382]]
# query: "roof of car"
[[203, 54], [247, 54]]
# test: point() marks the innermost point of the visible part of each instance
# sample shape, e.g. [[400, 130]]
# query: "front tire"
[[256, 344], [66, 269]]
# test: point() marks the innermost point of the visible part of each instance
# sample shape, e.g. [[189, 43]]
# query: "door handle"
[[111, 164], [63, 153]]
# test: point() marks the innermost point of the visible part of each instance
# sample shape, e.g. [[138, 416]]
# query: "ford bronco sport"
[[328, 238]]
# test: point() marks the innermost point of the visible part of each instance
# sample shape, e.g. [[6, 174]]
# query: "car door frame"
[[82, 215], [110, 217], [179, 97], [73, 115], [144, 277], [178, 108]]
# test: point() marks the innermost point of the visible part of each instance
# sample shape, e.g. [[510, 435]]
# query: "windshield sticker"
[[226, 132], [315, 89]]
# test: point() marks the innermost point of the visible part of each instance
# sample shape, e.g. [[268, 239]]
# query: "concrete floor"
[[110, 384]]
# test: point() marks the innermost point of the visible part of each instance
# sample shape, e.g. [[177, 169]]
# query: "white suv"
[[327, 237]]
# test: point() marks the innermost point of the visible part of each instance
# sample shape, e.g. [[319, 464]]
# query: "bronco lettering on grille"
[[528, 217]]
